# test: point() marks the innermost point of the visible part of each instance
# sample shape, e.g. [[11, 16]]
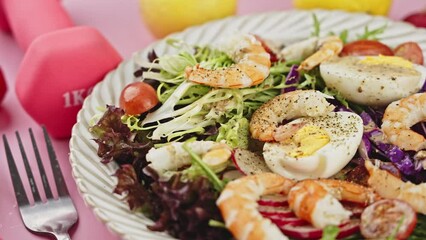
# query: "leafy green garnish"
[[215, 223], [309, 82], [337, 95], [419, 232], [176, 64], [372, 34], [395, 231], [330, 232], [209, 173], [132, 122], [235, 132], [317, 26], [344, 36]]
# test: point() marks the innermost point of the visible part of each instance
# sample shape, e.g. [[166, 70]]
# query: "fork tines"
[[20, 194], [54, 216]]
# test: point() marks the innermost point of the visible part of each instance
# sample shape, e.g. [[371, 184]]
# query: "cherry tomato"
[[137, 98], [410, 51], [366, 48], [388, 217], [3, 86]]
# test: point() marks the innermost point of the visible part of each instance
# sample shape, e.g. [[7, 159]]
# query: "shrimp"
[[252, 64], [172, 157], [317, 201], [265, 120], [238, 205], [330, 47], [390, 186], [400, 116]]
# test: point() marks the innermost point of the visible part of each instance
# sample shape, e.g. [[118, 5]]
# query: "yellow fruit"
[[375, 7], [166, 16]]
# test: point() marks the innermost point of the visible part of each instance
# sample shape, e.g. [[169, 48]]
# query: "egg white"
[[371, 84], [345, 131]]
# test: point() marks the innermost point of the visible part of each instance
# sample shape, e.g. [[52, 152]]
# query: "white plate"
[[94, 179]]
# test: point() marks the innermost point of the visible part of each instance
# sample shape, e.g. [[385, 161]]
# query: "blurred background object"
[[418, 19], [3, 86], [163, 17], [374, 7]]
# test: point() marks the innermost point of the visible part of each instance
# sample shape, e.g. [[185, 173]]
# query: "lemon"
[[375, 7], [163, 17]]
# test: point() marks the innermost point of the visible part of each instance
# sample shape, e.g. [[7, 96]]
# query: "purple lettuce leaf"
[[423, 88], [188, 206], [180, 207], [115, 140], [293, 77], [137, 196], [364, 148], [402, 160]]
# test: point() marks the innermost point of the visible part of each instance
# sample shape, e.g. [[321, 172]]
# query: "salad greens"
[[330, 232], [420, 230], [184, 204], [209, 173], [190, 108], [372, 34]]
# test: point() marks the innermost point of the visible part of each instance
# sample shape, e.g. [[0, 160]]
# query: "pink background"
[[120, 22]]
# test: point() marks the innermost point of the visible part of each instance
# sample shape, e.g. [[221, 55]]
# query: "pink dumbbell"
[[61, 65], [4, 25], [31, 19]]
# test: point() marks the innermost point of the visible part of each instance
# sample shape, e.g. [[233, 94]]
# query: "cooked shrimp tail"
[[400, 116], [252, 64], [390, 186], [238, 205], [330, 47], [317, 201]]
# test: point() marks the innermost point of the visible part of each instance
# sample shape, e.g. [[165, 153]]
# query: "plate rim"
[[79, 180]]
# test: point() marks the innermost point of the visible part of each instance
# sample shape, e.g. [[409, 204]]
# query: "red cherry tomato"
[[137, 98], [410, 51], [3, 86], [366, 48], [388, 217]]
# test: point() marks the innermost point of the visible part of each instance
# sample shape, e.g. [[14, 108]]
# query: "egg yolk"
[[309, 139], [390, 60]]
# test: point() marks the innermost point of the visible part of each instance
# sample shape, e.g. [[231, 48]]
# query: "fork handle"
[[62, 236]]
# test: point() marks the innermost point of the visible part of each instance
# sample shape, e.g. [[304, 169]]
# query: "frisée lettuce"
[[190, 108]]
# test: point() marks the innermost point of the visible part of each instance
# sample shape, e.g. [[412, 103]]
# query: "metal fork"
[[55, 216]]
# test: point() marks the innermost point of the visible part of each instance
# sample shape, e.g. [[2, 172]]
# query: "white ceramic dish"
[[94, 179]]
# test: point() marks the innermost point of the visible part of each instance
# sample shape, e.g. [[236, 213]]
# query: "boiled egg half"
[[373, 80], [319, 149]]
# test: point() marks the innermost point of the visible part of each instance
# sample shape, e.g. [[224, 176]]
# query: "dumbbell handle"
[[30, 19]]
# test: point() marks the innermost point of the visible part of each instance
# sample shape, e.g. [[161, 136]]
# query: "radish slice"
[[349, 228], [307, 231], [280, 222], [278, 212], [248, 162], [273, 200]]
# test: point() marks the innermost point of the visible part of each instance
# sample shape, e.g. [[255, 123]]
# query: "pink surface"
[[120, 23]]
